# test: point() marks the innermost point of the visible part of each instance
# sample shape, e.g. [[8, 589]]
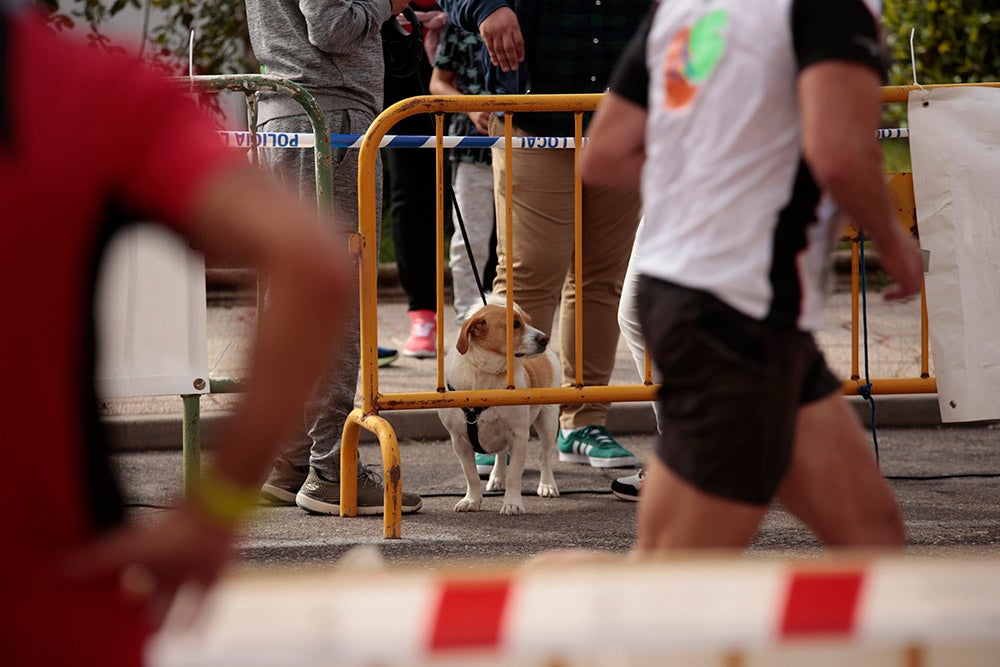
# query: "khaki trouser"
[[543, 247]]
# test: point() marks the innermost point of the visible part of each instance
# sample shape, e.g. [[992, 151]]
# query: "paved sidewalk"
[[155, 422]]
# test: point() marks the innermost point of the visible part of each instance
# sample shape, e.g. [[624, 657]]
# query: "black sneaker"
[[283, 482], [386, 355], [627, 488], [319, 495]]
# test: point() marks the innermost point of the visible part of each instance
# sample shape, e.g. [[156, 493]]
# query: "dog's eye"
[[517, 324]]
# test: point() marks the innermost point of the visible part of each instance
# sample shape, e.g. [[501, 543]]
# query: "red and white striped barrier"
[[712, 612]]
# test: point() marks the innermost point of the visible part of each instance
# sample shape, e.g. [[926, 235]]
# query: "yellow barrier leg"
[[349, 464], [392, 472]]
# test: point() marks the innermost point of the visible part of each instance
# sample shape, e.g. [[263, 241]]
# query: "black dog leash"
[[472, 423], [468, 246]]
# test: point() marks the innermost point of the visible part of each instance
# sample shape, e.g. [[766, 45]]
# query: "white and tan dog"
[[481, 363]]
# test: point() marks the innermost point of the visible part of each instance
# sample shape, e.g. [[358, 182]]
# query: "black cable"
[[595, 492], [499, 494], [957, 475], [865, 390]]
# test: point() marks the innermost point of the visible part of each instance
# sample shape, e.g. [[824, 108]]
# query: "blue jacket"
[[570, 46], [470, 13]]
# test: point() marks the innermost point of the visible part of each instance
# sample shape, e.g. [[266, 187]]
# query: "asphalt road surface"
[[947, 480]]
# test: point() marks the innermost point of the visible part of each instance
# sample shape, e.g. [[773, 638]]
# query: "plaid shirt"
[[574, 45], [571, 46], [458, 52]]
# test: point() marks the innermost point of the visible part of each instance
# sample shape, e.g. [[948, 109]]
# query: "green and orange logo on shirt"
[[692, 56]]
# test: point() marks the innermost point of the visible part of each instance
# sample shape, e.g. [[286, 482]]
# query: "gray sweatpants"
[[333, 399], [474, 197]]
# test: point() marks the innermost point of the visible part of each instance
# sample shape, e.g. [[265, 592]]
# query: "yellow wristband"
[[223, 500]]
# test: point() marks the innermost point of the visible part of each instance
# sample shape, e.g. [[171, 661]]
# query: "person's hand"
[[153, 562], [399, 5], [481, 119], [901, 259], [501, 34], [432, 20]]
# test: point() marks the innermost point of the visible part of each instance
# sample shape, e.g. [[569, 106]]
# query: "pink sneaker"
[[422, 342]]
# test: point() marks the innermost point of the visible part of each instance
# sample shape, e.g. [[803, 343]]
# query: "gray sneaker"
[[283, 482], [322, 496]]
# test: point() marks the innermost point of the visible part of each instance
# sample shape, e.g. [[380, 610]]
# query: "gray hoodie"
[[333, 48]]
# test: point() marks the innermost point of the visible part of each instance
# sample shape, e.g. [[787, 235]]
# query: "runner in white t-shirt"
[[748, 123]]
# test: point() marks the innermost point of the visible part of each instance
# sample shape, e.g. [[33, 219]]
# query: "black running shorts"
[[732, 386]]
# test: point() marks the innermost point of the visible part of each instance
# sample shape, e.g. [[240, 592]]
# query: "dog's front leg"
[[512, 501], [547, 423], [473, 494]]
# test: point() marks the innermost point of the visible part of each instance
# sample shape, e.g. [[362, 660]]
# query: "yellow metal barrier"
[[372, 401], [901, 192], [891, 94]]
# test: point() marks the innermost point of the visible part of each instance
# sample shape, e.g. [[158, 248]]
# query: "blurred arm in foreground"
[[84, 585]]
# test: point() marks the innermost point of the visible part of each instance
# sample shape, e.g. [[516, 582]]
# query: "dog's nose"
[[543, 340]]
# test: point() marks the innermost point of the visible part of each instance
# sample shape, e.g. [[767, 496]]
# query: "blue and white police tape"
[[304, 140], [893, 133], [308, 140]]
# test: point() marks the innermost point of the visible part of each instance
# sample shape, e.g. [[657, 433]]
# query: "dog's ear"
[[471, 327]]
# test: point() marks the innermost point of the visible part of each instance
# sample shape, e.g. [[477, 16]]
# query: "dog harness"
[[472, 423]]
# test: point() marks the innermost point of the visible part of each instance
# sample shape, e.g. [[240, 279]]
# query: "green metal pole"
[[249, 84], [191, 441]]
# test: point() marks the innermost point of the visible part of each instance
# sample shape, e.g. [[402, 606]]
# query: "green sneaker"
[[594, 445], [484, 464]]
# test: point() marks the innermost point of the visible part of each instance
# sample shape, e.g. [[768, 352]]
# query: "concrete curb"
[[164, 432], [238, 284]]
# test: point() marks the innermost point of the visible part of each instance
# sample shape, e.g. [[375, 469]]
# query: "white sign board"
[[151, 316], [955, 152]]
